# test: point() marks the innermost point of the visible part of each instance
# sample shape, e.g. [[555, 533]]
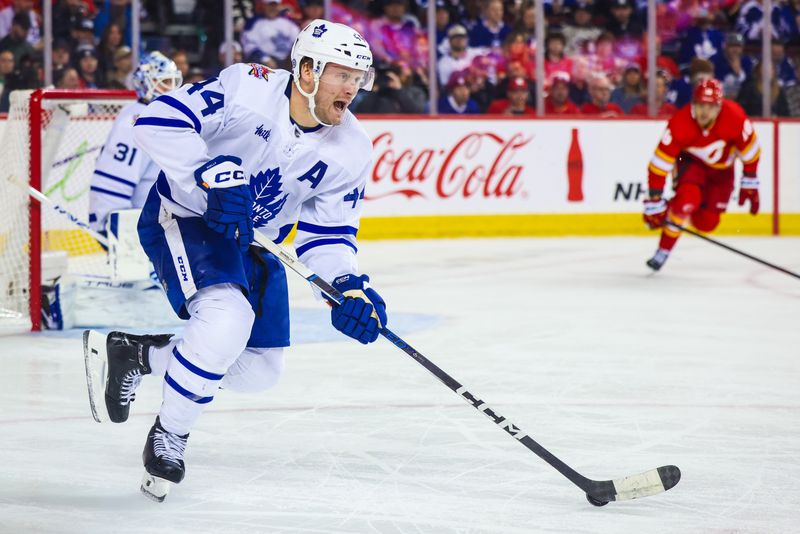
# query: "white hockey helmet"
[[330, 42], [153, 76]]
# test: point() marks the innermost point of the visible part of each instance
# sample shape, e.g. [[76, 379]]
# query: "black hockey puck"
[[595, 501]]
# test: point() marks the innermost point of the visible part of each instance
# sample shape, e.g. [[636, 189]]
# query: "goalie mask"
[[326, 42], [156, 75]]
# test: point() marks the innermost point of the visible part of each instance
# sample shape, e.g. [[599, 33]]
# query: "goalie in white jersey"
[[250, 148], [124, 174]]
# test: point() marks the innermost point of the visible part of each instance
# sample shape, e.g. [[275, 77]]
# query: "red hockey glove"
[[655, 212], [748, 190]]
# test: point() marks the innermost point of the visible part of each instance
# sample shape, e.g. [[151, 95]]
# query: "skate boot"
[[115, 365], [659, 259], [163, 461]]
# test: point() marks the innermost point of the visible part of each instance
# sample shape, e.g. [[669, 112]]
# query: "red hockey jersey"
[[731, 135]]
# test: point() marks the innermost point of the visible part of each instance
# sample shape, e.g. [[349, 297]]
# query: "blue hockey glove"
[[363, 312], [230, 206]]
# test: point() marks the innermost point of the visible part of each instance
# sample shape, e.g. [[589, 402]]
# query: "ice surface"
[[614, 370]]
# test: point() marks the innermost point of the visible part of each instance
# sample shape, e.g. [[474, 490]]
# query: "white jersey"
[[269, 37], [123, 173], [313, 178]]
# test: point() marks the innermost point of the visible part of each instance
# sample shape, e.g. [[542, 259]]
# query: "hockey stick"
[[45, 201], [599, 493], [732, 249]]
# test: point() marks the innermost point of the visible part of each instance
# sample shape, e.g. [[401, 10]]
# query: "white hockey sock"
[[159, 358], [187, 390], [215, 335], [254, 370]]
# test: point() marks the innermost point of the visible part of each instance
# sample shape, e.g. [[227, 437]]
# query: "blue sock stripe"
[[193, 368], [185, 392]]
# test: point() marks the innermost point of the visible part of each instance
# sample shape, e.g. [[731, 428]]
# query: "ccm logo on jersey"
[[182, 268]]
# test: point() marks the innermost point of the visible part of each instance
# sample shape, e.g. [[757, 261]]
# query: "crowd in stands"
[[595, 57]]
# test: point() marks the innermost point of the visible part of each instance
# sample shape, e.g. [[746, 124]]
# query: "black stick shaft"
[[736, 250], [514, 431]]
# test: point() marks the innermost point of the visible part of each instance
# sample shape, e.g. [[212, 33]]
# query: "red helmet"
[[708, 92]]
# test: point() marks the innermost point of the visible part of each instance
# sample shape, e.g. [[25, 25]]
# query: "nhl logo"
[[319, 30]]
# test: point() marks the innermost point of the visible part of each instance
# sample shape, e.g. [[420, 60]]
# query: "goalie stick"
[[598, 492]]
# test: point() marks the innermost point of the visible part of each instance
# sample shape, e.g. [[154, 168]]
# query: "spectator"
[[67, 78], [83, 32], [110, 42], [397, 34], [415, 84], [61, 54], [526, 23], [701, 39], [663, 108], [480, 87], [238, 55], [459, 56], [557, 101], [604, 59], [581, 33], [87, 65], [579, 86], [311, 10], [663, 61], [600, 94], [751, 21], [751, 96], [680, 90], [119, 76], [196, 74], [8, 13], [793, 98], [731, 66], [518, 57], [25, 76], [6, 67], [388, 95], [490, 31], [516, 102], [457, 101], [782, 66], [182, 62], [17, 39], [554, 58], [66, 15], [443, 26], [629, 93], [268, 34], [623, 23]]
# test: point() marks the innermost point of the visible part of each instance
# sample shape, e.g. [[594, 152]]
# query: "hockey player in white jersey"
[[123, 174], [249, 148]]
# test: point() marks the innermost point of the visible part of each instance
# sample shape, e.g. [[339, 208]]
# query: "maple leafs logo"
[[265, 187], [319, 30]]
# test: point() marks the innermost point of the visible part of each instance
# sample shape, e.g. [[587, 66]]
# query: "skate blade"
[[96, 361], [155, 488]]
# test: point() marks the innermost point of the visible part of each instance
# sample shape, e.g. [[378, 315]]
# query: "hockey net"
[[50, 141]]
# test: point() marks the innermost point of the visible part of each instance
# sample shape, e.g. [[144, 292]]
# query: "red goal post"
[[50, 141]]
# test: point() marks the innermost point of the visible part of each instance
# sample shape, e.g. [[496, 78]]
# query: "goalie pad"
[[127, 258]]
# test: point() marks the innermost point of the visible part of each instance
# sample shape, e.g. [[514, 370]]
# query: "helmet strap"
[[310, 97]]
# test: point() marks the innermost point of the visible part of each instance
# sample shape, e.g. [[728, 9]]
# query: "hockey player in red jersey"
[[702, 141]]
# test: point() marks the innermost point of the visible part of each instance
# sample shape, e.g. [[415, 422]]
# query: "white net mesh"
[[72, 135]]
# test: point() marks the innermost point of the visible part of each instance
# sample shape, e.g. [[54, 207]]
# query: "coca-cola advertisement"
[[464, 167]]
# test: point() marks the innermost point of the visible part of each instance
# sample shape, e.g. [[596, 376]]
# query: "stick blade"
[[648, 483]]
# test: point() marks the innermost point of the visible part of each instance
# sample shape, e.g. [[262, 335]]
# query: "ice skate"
[[163, 461], [659, 259], [115, 365]]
